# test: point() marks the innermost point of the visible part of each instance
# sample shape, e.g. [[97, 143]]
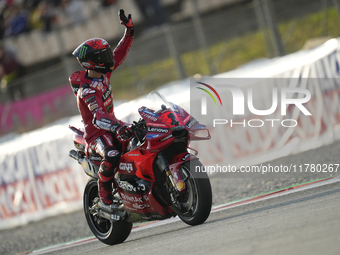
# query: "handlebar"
[[139, 129]]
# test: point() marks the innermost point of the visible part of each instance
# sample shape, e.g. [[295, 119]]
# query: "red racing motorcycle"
[[155, 178]]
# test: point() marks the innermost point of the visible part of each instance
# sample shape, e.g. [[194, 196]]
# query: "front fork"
[[163, 165], [174, 192]]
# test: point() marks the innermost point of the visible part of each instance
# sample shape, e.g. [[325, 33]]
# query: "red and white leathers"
[[95, 103]]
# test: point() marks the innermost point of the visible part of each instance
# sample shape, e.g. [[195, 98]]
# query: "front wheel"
[[196, 201], [106, 231]]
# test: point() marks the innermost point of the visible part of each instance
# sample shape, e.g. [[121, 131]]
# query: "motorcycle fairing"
[[141, 163], [141, 203]]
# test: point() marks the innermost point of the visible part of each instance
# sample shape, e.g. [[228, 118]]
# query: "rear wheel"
[[106, 231], [196, 201]]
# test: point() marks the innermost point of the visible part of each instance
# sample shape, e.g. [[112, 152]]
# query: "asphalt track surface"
[[304, 222], [307, 222]]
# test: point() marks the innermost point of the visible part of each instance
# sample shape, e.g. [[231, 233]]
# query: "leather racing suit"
[[95, 103]]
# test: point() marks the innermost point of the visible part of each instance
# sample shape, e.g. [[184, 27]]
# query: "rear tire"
[[106, 231], [197, 199]]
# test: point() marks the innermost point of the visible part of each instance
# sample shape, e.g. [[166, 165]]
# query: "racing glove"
[[115, 127], [123, 133], [126, 21]]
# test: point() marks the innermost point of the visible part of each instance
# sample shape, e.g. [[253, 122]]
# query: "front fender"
[[175, 169]]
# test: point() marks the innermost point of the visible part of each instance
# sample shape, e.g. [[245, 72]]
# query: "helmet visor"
[[104, 56]]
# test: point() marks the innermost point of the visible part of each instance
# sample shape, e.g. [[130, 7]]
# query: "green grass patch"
[[226, 55]]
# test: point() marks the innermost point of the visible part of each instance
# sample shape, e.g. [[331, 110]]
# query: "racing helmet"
[[95, 54]]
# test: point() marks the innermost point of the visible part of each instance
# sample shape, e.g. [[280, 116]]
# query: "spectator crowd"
[[20, 16], [23, 16]]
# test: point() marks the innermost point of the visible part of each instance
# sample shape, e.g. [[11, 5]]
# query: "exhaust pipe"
[[111, 208], [73, 154], [89, 168], [111, 212]]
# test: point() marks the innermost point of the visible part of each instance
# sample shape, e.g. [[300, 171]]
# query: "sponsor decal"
[[82, 52], [97, 85], [166, 138], [103, 125], [107, 94], [141, 187], [106, 120], [46, 190], [113, 153], [93, 107], [141, 207], [126, 186], [109, 108], [192, 122], [133, 198], [187, 119], [95, 158], [148, 114], [86, 64], [126, 167], [158, 125], [133, 155], [91, 99], [185, 157], [150, 136], [130, 187], [86, 92], [158, 130]]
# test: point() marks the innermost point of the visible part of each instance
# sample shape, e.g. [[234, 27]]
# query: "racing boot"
[[105, 192]]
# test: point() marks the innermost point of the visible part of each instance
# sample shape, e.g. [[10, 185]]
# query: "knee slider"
[[105, 171]]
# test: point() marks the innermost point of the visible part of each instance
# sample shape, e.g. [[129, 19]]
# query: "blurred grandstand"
[[175, 40]]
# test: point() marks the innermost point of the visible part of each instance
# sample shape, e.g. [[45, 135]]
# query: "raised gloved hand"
[[126, 21], [123, 133]]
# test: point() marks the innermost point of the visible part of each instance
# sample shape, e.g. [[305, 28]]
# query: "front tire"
[[197, 199], [106, 231]]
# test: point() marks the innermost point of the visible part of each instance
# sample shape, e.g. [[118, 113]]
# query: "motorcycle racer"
[[95, 101]]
